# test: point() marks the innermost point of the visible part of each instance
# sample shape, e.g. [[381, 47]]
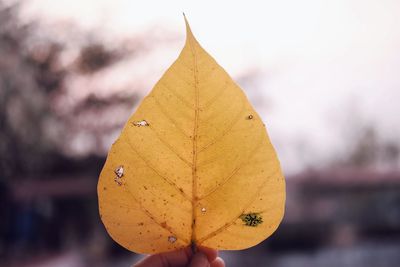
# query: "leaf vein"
[[232, 221], [148, 213], [169, 117], [169, 146], [179, 77], [223, 133], [236, 170], [165, 178], [210, 102], [181, 98]]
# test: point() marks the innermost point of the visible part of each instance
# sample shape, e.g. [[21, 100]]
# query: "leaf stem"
[[193, 246]]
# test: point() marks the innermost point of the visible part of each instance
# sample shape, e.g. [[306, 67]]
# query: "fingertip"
[[211, 254], [199, 260], [179, 257], [218, 262]]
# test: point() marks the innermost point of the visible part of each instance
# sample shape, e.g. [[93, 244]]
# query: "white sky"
[[324, 61]]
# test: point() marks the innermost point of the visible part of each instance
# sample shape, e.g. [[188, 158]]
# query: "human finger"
[[211, 254], [218, 262], [178, 258], [199, 260]]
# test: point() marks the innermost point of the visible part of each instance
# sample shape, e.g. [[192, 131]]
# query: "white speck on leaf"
[[141, 123], [119, 171], [172, 239]]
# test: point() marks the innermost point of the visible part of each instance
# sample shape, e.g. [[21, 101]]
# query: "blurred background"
[[324, 76]]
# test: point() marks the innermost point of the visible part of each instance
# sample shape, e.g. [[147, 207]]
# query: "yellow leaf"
[[193, 164]]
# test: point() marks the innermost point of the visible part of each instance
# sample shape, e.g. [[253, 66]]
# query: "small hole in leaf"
[[250, 117], [119, 171], [172, 239], [140, 123], [203, 210]]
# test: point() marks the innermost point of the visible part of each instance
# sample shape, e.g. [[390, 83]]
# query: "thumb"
[[199, 260]]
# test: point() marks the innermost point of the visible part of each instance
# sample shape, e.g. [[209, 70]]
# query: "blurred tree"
[[24, 87], [94, 57], [374, 151], [366, 149], [32, 79], [36, 125]]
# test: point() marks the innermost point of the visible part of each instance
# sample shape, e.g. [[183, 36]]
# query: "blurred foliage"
[[26, 83], [94, 57], [36, 129], [32, 79], [370, 149]]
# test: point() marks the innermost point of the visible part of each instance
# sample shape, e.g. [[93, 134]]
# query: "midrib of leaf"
[[194, 136], [185, 102]]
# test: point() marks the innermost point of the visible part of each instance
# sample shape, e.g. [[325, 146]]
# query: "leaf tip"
[[189, 33]]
